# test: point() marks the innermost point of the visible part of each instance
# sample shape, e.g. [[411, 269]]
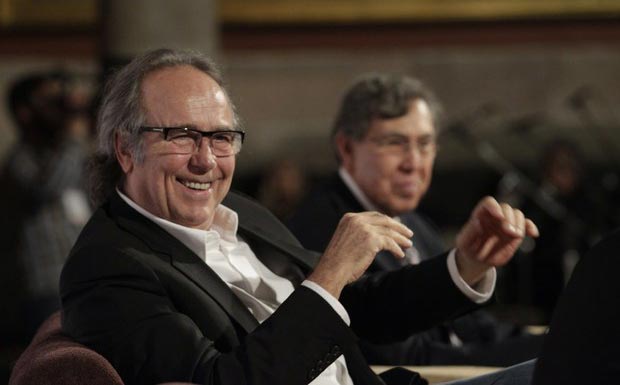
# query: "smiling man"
[[172, 179], [175, 278], [385, 140]]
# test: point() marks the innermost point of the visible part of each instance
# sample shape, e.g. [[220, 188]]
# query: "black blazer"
[[158, 313], [583, 343]]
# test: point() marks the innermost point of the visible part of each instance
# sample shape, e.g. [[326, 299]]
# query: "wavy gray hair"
[[379, 96], [121, 113]]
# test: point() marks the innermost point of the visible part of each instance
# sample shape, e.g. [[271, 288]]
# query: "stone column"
[[133, 27]]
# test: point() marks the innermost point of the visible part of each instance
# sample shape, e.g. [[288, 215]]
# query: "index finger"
[[531, 229], [488, 206]]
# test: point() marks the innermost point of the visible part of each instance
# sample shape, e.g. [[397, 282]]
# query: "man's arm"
[[488, 239]]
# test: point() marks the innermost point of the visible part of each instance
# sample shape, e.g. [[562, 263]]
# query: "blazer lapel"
[[269, 237], [197, 271], [184, 260], [305, 258]]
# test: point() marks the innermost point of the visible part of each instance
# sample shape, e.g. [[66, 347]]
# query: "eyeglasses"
[[187, 140], [398, 144]]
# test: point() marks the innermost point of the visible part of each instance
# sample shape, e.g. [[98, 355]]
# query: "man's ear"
[[344, 148], [124, 157]]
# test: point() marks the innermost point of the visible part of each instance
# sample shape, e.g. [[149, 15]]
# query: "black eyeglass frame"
[[203, 134]]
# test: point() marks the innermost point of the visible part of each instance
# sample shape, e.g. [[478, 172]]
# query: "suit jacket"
[[317, 217], [158, 313], [583, 343], [314, 223]]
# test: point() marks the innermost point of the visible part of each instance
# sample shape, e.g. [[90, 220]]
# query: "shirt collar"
[[356, 190], [359, 194], [225, 224]]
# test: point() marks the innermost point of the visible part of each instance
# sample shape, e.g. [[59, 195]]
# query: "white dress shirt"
[[253, 283]]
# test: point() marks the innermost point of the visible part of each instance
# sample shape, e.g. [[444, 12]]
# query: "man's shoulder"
[[317, 217], [255, 218], [603, 253], [329, 198], [116, 228]]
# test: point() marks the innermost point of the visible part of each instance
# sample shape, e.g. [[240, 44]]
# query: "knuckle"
[[349, 219], [519, 213]]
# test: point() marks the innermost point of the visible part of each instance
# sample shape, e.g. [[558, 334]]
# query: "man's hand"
[[490, 238], [356, 241]]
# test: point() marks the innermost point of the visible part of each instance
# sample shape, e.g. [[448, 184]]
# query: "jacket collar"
[[182, 259], [259, 224]]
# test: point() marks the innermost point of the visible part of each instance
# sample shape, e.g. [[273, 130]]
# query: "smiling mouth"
[[196, 185]]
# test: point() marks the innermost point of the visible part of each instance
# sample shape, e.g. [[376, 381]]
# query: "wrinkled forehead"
[[185, 91]]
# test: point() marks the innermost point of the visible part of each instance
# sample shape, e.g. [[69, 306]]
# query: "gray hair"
[[379, 96], [121, 113]]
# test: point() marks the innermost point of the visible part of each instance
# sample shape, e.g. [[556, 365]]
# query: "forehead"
[[418, 121], [183, 95]]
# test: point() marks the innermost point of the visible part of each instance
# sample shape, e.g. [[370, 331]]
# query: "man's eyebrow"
[[224, 128], [195, 127], [428, 135], [392, 134]]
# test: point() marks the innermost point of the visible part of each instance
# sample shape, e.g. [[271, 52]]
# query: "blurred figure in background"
[[572, 217], [282, 187], [43, 199], [385, 140]]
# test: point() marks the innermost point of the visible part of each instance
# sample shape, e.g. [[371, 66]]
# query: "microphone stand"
[[512, 176]]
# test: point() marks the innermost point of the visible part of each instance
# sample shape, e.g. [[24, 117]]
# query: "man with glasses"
[[385, 136], [175, 278]]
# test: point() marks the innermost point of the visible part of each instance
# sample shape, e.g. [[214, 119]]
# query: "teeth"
[[197, 186]]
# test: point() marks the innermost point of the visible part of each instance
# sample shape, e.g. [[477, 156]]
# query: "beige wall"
[[288, 99]]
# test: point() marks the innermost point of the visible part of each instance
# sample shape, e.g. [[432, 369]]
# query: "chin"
[[190, 219], [404, 207]]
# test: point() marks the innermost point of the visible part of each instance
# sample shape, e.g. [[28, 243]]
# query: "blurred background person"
[[385, 136], [282, 187], [43, 201], [572, 213]]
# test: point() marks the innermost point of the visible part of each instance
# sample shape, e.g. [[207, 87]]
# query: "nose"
[[411, 157], [203, 160]]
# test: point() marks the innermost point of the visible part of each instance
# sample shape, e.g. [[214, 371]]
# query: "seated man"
[[174, 278], [384, 137]]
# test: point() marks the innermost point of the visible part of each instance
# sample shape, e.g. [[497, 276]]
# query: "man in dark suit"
[[384, 137], [582, 344], [176, 279]]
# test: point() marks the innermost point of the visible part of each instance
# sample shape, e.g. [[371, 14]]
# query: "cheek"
[[428, 170], [227, 166]]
